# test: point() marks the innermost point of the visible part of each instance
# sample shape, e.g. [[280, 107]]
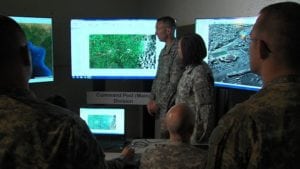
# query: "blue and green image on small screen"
[[102, 122]]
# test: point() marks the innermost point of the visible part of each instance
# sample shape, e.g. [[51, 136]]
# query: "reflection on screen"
[[114, 48], [38, 32], [228, 51], [104, 120]]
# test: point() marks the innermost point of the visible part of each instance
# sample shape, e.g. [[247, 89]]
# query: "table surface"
[[139, 145]]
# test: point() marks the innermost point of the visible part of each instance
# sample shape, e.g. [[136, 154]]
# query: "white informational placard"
[[121, 98]]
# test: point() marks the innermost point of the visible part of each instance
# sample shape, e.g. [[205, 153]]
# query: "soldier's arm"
[[146, 160], [175, 75], [230, 144], [204, 100], [84, 148]]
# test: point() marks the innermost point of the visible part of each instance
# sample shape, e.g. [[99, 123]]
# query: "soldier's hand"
[[152, 107], [128, 152]]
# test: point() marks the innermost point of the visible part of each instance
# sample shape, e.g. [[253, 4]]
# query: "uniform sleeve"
[[88, 153], [145, 161], [115, 163], [204, 103], [154, 87], [92, 154], [170, 90], [169, 72], [233, 143]]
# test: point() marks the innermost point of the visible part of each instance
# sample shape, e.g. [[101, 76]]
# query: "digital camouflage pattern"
[[168, 74], [36, 134], [173, 156], [262, 132], [196, 89]]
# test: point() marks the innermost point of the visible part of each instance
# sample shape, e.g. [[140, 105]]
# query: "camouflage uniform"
[[173, 156], [36, 134], [261, 133], [168, 74], [196, 88]]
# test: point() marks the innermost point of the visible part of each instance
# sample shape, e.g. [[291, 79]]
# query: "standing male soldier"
[[168, 74]]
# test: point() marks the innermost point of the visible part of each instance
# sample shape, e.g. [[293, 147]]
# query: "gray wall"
[[62, 10], [185, 11]]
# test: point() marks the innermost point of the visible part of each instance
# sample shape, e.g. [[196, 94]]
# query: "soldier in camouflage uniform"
[[177, 153], [264, 131], [34, 133], [168, 74], [196, 86]]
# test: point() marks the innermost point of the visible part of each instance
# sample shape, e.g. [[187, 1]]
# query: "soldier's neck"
[[170, 41], [175, 138]]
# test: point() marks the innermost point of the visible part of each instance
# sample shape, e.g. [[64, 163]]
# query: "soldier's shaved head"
[[278, 25], [180, 121]]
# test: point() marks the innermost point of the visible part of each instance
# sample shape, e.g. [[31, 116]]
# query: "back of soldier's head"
[[180, 120], [11, 38], [281, 24], [193, 49], [15, 62]]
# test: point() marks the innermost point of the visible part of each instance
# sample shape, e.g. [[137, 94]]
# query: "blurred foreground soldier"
[[177, 153], [34, 133], [264, 131]]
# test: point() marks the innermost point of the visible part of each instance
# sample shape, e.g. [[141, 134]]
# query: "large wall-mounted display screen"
[[228, 51], [38, 32], [114, 48]]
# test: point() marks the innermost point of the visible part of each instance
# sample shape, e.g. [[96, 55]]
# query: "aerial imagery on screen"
[[104, 120], [38, 31], [114, 48], [228, 51]]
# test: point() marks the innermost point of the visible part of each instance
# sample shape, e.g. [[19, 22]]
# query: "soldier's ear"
[[169, 30], [263, 49]]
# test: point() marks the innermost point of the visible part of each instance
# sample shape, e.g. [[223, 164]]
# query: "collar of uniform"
[[189, 68], [17, 92], [167, 48], [177, 143], [284, 79]]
